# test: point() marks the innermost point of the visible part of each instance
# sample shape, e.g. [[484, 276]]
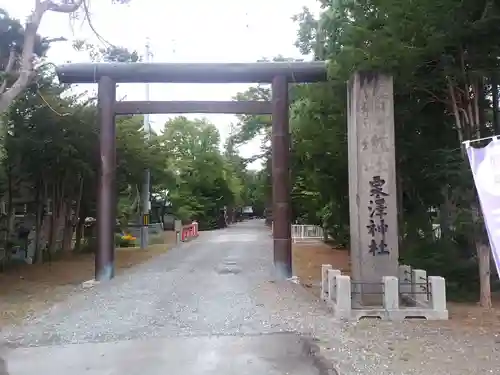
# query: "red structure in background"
[[189, 231]]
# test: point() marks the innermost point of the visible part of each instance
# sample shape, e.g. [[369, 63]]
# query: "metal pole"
[[147, 176], [106, 194], [282, 224]]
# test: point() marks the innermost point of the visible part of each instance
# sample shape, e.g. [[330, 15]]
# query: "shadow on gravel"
[[312, 350]]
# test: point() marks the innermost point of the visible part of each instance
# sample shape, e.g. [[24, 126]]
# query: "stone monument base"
[[412, 295]]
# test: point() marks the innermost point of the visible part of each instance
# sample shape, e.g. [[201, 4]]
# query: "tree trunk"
[[483, 254], [468, 110], [79, 201], [482, 245], [53, 223], [163, 211], [444, 217], [68, 227], [58, 211], [26, 71], [45, 229], [494, 94], [77, 221], [9, 225], [80, 232], [40, 199], [481, 108]]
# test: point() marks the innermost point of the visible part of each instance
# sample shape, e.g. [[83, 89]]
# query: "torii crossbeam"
[[279, 74]]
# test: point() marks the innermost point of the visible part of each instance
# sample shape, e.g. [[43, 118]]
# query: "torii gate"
[[107, 75]]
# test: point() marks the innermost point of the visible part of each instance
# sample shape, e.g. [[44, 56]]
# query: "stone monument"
[[372, 185], [378, 286]]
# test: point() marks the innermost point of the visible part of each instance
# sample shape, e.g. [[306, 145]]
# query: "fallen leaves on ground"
[[307, 261], [27, 289]]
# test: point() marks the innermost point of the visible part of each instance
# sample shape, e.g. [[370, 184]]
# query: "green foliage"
[[443, 257], [50, 150], [50, 160], [22, 50], [108, 53], [124, 241], [206, 181], [431, 49], [445, 70]]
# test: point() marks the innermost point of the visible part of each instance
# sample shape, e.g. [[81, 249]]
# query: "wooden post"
[[281, 179], [106, 195], [277, 73]]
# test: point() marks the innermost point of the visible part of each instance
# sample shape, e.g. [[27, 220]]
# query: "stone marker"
[[372, 184]]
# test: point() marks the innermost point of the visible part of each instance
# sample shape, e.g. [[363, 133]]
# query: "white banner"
[[485, 166]]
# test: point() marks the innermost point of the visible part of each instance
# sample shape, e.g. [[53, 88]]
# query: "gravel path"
[[220, 284]]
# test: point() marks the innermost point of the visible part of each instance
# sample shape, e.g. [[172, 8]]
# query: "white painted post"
[[419, 287], [391, 293], [343, 303], [438, 293], [332, 284], [405, 279], [324, 280]]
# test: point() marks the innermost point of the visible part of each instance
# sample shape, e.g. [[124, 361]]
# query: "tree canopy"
[[22, 50], [445, 70], [49, 161]]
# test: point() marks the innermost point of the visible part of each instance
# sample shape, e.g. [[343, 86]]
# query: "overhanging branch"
[[68, 7], [8, 69]]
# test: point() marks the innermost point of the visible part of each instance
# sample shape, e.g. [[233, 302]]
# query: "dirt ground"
[[307, 261], [308, 258], [27, 289]]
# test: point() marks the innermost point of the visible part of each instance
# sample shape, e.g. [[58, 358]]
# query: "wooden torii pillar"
[[278, 74]]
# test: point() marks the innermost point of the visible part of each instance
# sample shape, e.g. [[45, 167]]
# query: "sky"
[[180, 31]]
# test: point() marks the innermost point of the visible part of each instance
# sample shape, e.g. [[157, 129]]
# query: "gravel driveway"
[[221, 284]]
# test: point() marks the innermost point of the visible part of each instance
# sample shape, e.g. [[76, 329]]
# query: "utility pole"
[[146, 204]]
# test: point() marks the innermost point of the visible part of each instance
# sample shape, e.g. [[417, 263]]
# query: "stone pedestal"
[[338, 297], [372, 185]]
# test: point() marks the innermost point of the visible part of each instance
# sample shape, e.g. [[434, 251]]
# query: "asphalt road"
[[198, 309]]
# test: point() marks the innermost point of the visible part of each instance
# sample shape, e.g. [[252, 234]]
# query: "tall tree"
[[442, 64], [206, 183], [21, 48]]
